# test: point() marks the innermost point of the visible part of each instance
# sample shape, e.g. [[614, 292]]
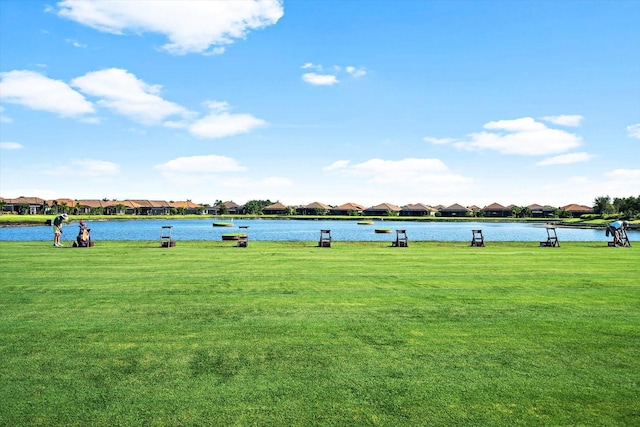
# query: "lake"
[[308, 230]]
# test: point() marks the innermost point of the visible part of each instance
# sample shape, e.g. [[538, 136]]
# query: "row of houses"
[[35, 205], [420, 209]]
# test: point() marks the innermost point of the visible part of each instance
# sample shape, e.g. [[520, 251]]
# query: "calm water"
[[308, 230]]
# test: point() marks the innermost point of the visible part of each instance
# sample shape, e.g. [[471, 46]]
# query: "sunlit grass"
[[128, 333]]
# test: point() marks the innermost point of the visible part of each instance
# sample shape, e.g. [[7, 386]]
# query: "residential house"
[[539, 211], [417, 209], [62, 205], [121, 207], [455, 210], [353, 209], [275, 209], [91, 206], [152, 207], [234, 208], [383, 209], [25, 205], [496, 210], [578, 210], [315, 208], [185, 207]]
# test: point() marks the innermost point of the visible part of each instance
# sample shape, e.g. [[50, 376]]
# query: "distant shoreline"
[[557, 222]]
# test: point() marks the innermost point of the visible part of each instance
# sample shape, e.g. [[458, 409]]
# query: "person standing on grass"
[[614, 228], [57, 228]]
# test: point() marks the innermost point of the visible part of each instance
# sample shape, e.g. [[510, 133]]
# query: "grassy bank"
[[127, 333]]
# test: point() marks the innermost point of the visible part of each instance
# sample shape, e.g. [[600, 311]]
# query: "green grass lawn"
[[288, 334]]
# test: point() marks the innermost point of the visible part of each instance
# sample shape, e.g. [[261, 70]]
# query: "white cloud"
[[565, 159], [75, 43], [625, 174], [387, 172], [524, 124], [634, 131], [201, 164], [219, 125], [320, 79], [10, 146], [564, 120], [338, 164], [38, 92], [127, 95], [438, 141], [523, 136], [192, 26], [85, 168], [355, 72]]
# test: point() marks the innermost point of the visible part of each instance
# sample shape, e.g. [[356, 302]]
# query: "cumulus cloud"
[[201, 164], [10, 146], [565, 159], [38, 92], [634, 131], [523, 136], [564, 120], [220, 123], [191, 26], [417, 171], [122, 93], [125, 94], [320, 79]]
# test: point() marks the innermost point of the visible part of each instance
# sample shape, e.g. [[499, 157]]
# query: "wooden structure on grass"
[[477, 239], [552, 237], [165, 237], [243, 239], [401, 239], [325, 239]]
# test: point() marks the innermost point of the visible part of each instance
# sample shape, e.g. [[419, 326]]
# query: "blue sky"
[[336, 101]]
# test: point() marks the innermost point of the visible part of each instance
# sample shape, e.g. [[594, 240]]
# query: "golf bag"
[[84, 237]]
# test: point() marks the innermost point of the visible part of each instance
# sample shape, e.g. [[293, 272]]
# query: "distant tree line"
[[625, 207]]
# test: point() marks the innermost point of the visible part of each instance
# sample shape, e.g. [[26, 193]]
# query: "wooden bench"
[[325, 239], [401, 239], [243, 239], [552, 238], [477, 239], [165, 237]]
